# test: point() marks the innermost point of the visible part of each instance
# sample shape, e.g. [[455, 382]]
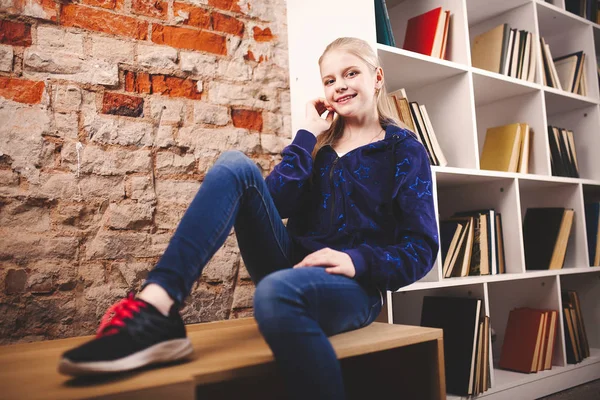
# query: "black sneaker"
[[133, 333]]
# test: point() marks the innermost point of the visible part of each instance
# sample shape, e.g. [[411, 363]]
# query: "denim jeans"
[[295, 309]]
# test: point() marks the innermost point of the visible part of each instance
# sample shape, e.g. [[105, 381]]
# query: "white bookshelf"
[[463, 101]]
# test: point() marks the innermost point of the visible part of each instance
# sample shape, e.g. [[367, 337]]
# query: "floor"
[[587, 391]]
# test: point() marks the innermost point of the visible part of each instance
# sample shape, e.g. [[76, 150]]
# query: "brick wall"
[[96, 98]]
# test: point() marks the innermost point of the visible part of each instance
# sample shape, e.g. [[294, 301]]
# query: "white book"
[[533, 56], [511, 38], [434, 142], [514, 62], [526, 57], [555, 81], [493, 244], [400, 93]]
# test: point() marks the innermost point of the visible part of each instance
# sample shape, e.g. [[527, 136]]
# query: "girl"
[[356, 189]]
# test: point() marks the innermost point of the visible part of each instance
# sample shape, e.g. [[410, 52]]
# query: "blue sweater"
[[374, 203]]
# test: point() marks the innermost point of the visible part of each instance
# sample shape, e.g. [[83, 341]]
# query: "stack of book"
[[546, 232], [571, 72], [427, 33], [466, 341], [382, 24], [587, 9], [472, 244], [529, 340], [506, 148], [565, 72], [506, 51], [592, 224], [576, 340], [415, 116], [563, 157]]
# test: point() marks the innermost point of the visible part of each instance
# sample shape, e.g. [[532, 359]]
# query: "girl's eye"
[[351, 73]]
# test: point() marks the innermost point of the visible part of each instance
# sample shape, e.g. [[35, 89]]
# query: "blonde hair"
[[385, 108]]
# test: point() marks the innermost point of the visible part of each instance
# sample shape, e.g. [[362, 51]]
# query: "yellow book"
[[501, 148], [524, 152], [486, 51]]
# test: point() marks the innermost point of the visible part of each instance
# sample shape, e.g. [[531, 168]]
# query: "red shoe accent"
[[117, 313]]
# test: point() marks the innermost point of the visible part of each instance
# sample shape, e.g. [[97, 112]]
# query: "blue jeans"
[[296, 309]]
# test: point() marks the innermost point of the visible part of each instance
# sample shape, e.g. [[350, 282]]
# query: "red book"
[[421, 31]]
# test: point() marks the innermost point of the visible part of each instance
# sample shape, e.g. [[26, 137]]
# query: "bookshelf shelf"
[[462, 102]]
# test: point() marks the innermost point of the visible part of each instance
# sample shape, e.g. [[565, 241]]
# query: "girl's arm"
[[394, 266], [288, 182]]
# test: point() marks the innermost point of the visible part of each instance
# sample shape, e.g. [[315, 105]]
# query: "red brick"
[[15, 33], [129, 81], [228, 5], [198, 17], [175, 87], [110, 4], [103, 21], [248, 119], [184, 38], [150, 8], [122, 104], [227, 24], [21, 90], [249, 56], [142, 83], [262, 35]]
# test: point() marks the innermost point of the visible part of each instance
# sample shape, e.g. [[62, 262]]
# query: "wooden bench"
[[232, 359]]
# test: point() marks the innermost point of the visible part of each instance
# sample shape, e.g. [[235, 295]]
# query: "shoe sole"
[[160, 352]]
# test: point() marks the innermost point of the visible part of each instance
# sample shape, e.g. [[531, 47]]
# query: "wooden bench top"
[[223, 350]]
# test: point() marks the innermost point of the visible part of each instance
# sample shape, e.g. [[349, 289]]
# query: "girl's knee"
[[237, 161], [274, 295]]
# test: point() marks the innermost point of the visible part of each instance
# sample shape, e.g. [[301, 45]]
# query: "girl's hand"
[[334, 262], [313, 121]]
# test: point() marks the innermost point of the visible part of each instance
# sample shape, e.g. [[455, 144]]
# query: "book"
[[437, 150], [522, 338], [501, 148], [500, 245], [425, 32], [382, 24], [489, 49], [459, 318], [592, 226], [524, 149], [568, 68], [546, 232]]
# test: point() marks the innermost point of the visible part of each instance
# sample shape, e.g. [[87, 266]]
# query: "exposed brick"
[[166, 111], [55, 37], [227, 24], [103, 21], [262, 35], [66, 98], [129, 81], [6, 58], [169, 163], [23, 246], [184, 38], [129, 215], [21, 90], [110, 4], [156, 56], [15, 281], [122, 104], [176, 192], [228, 5], [206, 113], [115, 50], [113, 161], [175, 87], [15, 33], [194, 16], [248, 119], [42, 9], [143, 83], [126, 132], [150, 8], [199, 64]]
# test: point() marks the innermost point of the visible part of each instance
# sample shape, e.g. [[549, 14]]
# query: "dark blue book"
[[382, 24], [592, 212]]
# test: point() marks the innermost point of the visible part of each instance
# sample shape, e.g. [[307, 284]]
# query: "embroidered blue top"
[[374, 203]]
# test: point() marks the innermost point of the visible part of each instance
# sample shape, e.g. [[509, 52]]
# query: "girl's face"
[[350, 83]]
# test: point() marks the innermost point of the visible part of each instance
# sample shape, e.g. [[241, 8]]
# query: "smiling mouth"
[[345, 98]]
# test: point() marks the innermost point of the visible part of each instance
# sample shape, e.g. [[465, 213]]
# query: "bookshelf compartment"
[[534, 194], [588, 290], [525, 108], [565, 33], [538, 293], [412, 315], [462, 192], [441, 86], [584, 123], [401, 11]]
